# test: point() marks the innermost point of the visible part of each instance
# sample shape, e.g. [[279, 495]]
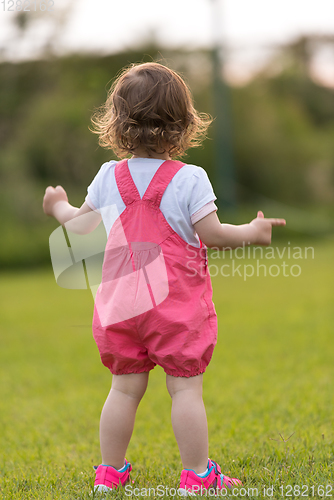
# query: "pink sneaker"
[[192, 484], [108, 478]]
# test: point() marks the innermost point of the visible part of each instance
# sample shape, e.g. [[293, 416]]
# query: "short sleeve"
[[93, 198], [203, 212], [202, 191], [90, 204]]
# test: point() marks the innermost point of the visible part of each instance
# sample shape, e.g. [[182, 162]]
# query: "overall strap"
[[161, 179], [126, 187]]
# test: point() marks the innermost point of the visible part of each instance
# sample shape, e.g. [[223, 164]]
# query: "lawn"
[[268, 390]]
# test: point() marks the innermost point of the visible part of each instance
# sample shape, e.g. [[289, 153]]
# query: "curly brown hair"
[[150, 107]]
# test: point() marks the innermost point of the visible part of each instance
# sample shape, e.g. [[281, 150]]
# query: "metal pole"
[[223, 150]]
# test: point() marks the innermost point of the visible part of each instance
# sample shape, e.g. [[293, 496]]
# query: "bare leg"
[[189, 421], [118, 416]]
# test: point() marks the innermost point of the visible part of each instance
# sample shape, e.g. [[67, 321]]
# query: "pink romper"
[[154, 304]]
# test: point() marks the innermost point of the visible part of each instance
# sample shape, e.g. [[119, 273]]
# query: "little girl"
[[154, 304]]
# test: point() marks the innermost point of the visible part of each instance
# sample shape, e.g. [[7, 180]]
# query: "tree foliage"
[[283, 127]]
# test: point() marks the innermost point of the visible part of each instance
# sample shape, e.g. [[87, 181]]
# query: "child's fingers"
[[57, 188], [273, 222], [277, 222]]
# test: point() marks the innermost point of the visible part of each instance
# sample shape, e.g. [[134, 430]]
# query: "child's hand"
[[51, 197], [263, 227]]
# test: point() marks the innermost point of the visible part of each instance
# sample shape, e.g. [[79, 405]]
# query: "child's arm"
[[227, 236], [81, 220]]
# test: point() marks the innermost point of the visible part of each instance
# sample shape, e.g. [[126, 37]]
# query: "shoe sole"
[[102, 488]]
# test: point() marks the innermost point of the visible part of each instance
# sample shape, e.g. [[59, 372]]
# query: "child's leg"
[[118, 416], [189, 421]]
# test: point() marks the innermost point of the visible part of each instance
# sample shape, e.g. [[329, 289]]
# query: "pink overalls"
[[154, 305]]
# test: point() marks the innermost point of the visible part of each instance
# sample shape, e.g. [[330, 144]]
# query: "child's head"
[[149, 107]]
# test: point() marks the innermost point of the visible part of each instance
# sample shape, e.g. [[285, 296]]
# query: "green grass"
[[271, 378]]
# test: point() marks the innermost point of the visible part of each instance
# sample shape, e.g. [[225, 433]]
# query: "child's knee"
[[178, 384], [133, 384]]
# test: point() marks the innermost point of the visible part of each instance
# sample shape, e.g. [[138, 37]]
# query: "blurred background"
[[264, 70]]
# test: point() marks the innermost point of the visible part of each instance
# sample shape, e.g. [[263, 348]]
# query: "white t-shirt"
[[188, 197]]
